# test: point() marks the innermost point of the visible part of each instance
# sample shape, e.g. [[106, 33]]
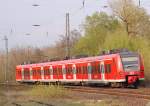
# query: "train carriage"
[[123, 68]]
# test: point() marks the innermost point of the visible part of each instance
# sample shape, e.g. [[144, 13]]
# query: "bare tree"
[[61, 45], [134, 18]]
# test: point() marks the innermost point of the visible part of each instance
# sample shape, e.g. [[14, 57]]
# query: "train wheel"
[[37, 82], [58, 83], [116, 85], [82, 83], [113, 84]]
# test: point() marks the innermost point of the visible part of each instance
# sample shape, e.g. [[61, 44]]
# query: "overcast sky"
[[18, 16]]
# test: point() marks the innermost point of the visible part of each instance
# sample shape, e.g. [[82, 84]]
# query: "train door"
[[38, 73], [69, 71], [96, 74], [34, 76], [108, 69], [26, 74], [84, 70], [54, 72], [78, 71], [47, 72], [57, 72]]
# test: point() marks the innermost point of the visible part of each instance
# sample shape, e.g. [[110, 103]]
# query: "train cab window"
[[108, 68], [130, 62]]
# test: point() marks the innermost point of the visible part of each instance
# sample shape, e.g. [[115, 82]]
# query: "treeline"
[[127, 27]]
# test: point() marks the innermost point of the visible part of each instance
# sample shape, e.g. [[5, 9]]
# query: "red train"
[[115, 69]]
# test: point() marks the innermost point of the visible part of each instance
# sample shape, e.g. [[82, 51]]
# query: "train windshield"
[[130, 63]]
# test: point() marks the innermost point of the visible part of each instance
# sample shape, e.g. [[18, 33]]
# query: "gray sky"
[[20, 15]]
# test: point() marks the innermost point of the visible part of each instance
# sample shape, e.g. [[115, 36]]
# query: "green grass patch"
[[48, 91]]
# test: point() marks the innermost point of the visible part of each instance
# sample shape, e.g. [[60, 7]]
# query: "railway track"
[[135, 93], [32, 102], [112, 91]]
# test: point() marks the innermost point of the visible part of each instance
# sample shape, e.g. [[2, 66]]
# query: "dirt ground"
[[16, 96]]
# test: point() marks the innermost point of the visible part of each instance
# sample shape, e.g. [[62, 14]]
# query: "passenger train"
[[115, 68]]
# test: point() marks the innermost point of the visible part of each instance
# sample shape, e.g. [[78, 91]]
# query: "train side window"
[[108, 68]]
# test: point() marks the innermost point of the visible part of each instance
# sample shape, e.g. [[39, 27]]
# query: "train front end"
[[131, 63]]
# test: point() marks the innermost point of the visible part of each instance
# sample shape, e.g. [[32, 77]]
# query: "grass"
[[48, 91]]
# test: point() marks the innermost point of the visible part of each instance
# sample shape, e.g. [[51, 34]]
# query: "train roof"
[[70, 61], [80, 60]]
